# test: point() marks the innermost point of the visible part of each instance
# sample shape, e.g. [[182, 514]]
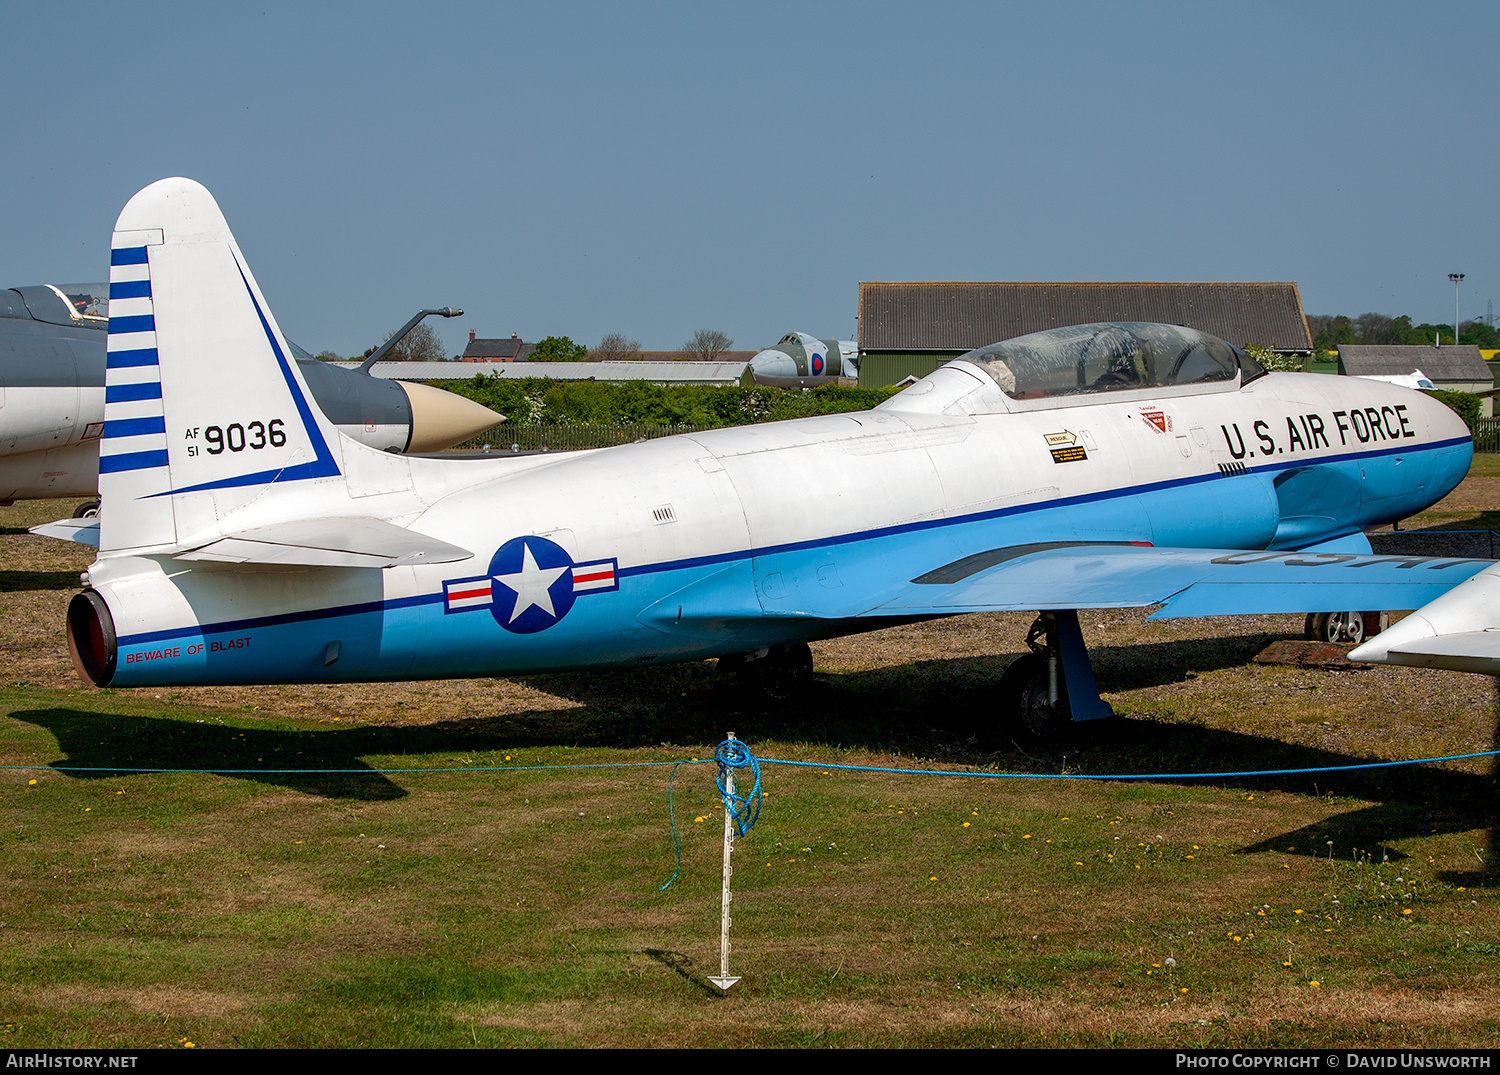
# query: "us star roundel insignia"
[[532, 583]]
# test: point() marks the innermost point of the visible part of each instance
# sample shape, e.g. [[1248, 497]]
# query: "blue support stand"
[[1078, 672]]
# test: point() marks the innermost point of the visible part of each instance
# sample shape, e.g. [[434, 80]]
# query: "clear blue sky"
[[652, 169]]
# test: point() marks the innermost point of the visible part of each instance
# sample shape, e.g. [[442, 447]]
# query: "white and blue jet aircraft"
[[244, 540]]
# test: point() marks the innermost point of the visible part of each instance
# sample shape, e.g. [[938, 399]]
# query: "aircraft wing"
[[1064, 575], [1186, 582]]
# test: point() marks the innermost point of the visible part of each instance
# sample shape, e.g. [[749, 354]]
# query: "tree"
[[421, 344], [1479, 333], [558, 349], [616, 348], [706, 345], [328, 356]]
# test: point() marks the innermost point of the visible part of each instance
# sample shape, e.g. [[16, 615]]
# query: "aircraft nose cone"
[[772, 364], [442, 419]]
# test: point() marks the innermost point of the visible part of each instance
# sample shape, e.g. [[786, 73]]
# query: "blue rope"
[[1131, 776], [744, 809], [732, 754], [672, 821], [320, 772]]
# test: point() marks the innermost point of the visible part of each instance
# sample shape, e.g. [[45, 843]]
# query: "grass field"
[[521, 907]]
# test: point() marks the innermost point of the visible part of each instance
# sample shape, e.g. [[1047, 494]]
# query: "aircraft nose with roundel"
[[802, 361], [244, 540]]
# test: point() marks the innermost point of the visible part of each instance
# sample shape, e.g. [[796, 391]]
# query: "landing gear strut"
[[1035, 688]]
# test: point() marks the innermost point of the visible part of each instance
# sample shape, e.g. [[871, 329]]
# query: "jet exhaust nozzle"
[[91, 638]]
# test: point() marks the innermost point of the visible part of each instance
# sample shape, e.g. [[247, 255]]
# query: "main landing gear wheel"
[[87, 510], [1039, 711], [1345, 628], [780, 674], [1034, 706]]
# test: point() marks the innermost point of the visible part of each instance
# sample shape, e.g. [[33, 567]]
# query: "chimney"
[[471, 335]]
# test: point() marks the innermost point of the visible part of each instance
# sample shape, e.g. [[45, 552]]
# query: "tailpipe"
[[91, 638]]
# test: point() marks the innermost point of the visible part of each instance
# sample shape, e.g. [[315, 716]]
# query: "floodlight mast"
[[1455, 277], [396, 337]]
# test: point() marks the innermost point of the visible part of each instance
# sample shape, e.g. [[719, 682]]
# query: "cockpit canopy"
[[1107, 357], [80, 305]]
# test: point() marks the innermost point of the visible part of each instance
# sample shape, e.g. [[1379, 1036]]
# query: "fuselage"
[[722, 542]]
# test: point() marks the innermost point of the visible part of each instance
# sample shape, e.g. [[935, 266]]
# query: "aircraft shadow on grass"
[[24, 581], [108, 746], [930, 708]]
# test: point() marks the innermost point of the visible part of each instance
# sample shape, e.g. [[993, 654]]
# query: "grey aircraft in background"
[[52, 358], [802, 361]]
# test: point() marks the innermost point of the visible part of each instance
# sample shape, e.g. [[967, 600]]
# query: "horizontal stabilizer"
[[336, 542], [83, 531]]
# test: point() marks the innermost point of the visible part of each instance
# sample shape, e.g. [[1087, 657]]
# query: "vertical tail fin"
[[204, 406]]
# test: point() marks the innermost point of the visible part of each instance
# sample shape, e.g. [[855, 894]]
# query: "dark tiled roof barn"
[[961, 316]]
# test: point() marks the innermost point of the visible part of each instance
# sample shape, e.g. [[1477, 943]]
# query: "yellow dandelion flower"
[[698, 819], [30, 782], [1297, 911], [1184, 989], [966, 824], [1315, 983], [1406, 910], [932, 879], [1027, 836]]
